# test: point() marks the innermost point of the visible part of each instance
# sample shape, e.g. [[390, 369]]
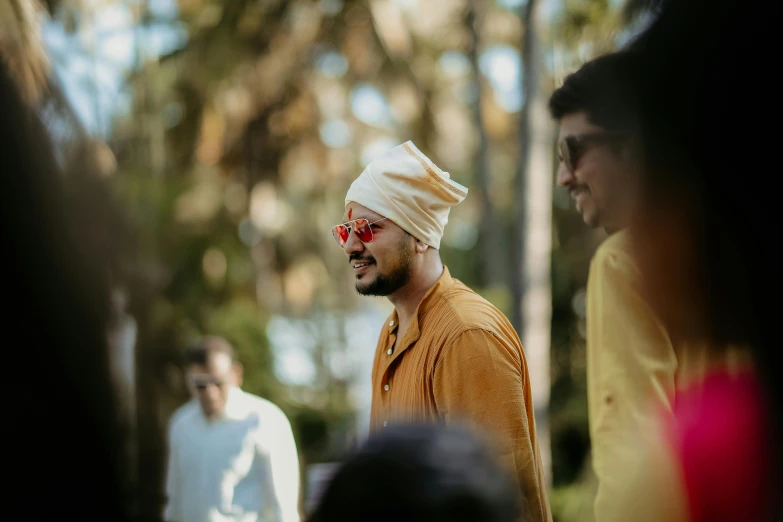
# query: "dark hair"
[[59, 299], [702, 60], [420, 473], [202, 350], [602, 89]]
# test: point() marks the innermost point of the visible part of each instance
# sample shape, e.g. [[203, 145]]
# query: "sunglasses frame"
[[572, 148], [352, 229], [201, 383]]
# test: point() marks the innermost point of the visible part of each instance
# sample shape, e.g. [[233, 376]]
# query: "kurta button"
[[385, 423], [389, 351], [386, 387], [391, 323]]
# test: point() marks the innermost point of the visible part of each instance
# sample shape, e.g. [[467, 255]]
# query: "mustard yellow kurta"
[[462, 361], [633, 372]]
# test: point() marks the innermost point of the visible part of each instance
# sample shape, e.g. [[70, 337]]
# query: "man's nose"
[[353, 244], [564, 177], [210, 391]]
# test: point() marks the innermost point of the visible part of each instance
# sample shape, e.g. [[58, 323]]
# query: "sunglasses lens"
[[363, 231], [340, 233], [362, 228], [202, 384]]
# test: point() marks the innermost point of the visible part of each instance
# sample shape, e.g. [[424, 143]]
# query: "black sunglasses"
[[202, 382], [572, 148]]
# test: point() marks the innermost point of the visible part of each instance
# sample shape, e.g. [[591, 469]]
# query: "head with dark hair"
[[420, 473], [601, 89], [60, 303], [711, 212], [201, 351], [596, 110], [212, 369]]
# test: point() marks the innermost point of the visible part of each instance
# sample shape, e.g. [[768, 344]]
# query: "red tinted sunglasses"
[[362, 227]]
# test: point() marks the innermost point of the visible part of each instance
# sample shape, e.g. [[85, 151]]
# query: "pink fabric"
[[721, 438]]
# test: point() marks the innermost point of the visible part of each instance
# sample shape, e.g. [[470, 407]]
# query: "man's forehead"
[[217, 364], [576, 123], [203, 374], [357, 211]]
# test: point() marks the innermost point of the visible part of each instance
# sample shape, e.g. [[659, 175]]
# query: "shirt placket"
[[385, 383]]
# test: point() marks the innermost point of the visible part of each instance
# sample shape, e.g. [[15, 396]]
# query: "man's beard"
[[386, 284]]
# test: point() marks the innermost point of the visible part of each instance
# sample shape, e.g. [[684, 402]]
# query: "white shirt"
[[240, 467]]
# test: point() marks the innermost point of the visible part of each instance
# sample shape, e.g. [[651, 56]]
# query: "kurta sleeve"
[[482, 379], [173, 510], [284, 463]]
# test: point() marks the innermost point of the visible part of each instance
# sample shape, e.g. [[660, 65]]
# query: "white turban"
[[406, 187]]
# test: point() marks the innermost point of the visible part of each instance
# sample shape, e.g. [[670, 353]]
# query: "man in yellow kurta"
[[445, 354], [634, 368]]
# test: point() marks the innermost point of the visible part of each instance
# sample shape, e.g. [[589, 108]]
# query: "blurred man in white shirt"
[[232, 455]]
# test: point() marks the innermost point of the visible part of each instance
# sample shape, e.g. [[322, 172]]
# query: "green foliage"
[[574, 503], [252, 101], [242, 323]]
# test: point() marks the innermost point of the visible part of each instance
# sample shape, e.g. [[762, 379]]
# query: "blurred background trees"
[[225, 135]]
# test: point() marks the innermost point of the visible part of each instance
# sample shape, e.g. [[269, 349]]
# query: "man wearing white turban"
[[445, 353]]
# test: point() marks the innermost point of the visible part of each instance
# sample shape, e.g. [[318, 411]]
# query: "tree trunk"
[[489, 248], [532, 237], [21, 47]]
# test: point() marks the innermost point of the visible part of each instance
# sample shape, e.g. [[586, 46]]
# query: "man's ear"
[[421, 247]]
